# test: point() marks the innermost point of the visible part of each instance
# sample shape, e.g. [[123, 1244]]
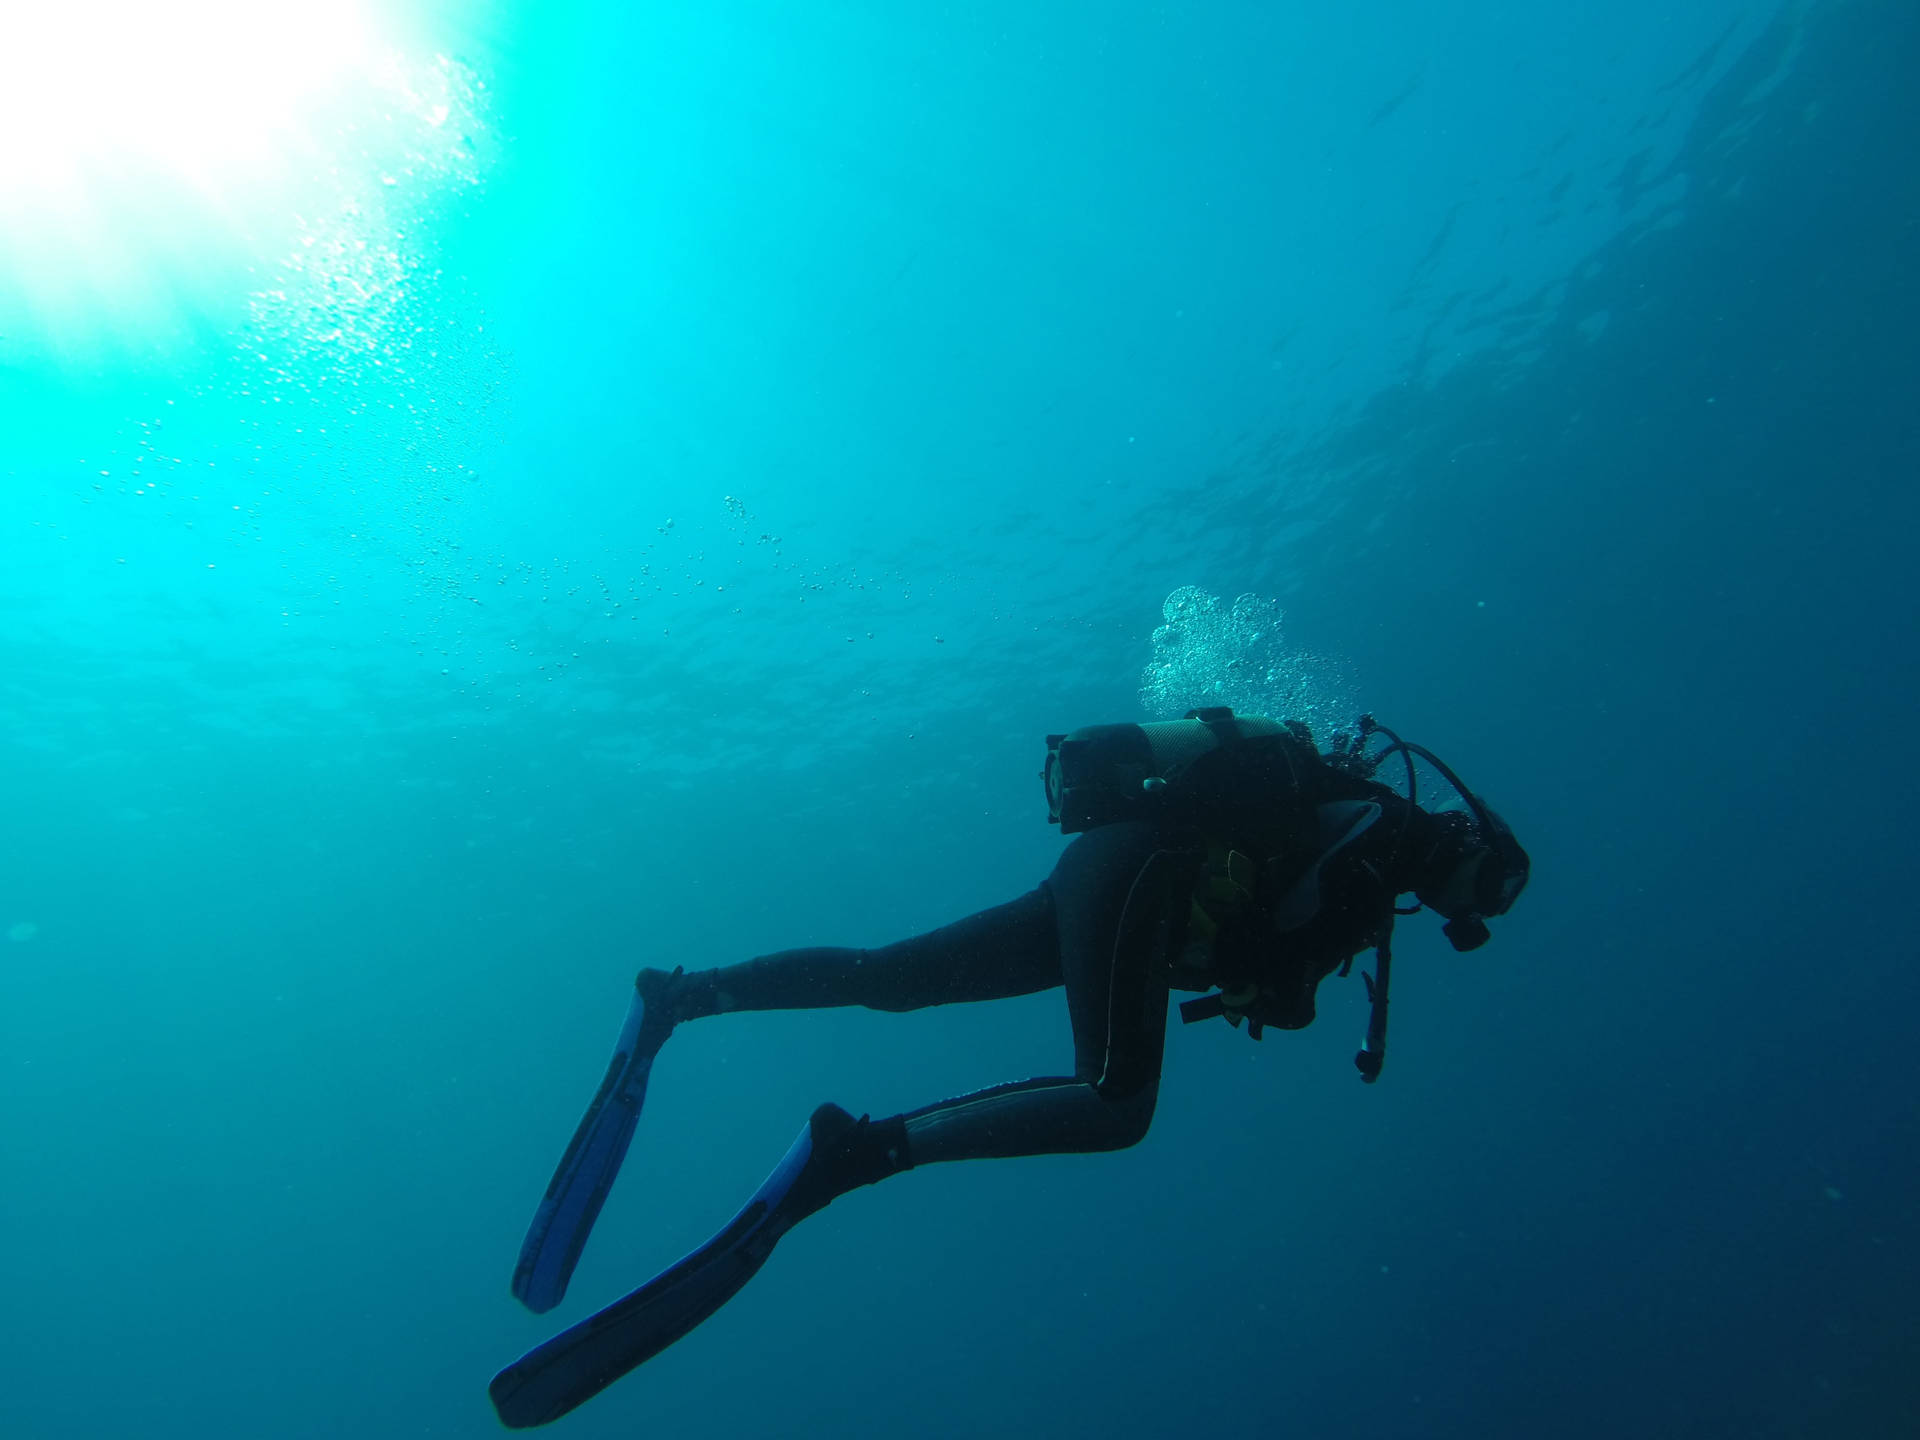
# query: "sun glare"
[[211, 92], [162, 160]]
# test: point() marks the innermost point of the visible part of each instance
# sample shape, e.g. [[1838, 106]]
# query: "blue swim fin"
[[834, 1154], [586, 1172]]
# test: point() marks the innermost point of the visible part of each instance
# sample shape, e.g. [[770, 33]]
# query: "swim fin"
[[586, 1172], [834, 1154]]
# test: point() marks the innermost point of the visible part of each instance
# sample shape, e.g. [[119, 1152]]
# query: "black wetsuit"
[[1068, 932]]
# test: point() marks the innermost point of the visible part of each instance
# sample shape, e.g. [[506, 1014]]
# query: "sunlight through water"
[[205, 90], [153, 156]]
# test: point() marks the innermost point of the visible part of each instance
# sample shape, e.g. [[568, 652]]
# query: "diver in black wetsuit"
[[1211, 852]]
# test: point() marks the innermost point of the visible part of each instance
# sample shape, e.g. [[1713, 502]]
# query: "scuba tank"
[[1101, 774]]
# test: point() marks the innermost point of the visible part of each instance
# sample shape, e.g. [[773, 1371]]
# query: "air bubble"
[[1211, 652]]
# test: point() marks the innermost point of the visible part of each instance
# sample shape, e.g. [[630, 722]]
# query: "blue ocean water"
[[623, 485]]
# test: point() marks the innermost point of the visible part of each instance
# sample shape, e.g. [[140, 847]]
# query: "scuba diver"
[[1217, 853]]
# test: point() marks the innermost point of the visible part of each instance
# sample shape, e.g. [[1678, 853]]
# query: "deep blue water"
[[646, 501]]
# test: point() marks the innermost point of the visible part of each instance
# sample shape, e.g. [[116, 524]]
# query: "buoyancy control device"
[[1248, 781]]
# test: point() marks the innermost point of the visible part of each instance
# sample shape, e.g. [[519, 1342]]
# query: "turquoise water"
[[585, 487]]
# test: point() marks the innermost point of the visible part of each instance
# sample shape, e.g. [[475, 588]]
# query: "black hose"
[[1373, 1052]]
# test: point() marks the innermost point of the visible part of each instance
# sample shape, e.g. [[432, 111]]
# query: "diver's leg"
[[998, 953], [1104, 948], [1011, 949], [1116, 1004], [1099, 923]]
